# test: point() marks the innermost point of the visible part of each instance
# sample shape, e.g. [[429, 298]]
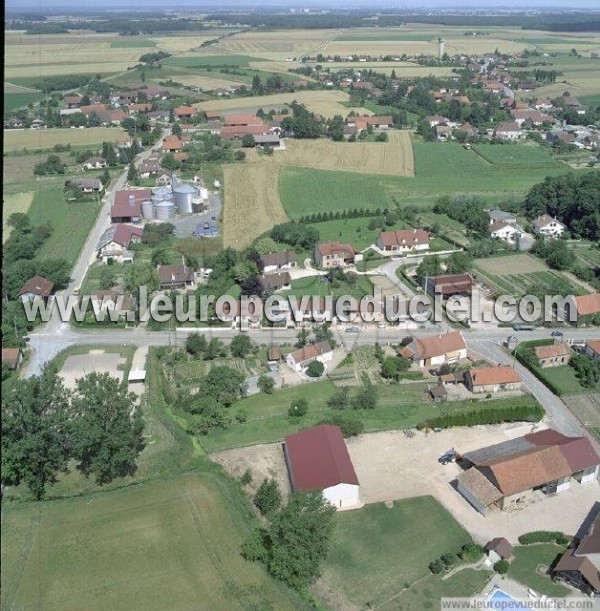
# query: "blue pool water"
[[499, 599]]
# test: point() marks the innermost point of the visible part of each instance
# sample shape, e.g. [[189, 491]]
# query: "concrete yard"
[[79, 365], [390, 465]]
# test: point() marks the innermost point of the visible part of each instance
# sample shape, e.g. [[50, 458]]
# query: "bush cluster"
[[492, 415]]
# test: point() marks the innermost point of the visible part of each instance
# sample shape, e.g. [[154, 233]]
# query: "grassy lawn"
[[561, 378], [526, 562], [399, 407], [131, 43], [170, 542], [378, 551], [314, 285], [71, 223], [211, 60], [512, 156]]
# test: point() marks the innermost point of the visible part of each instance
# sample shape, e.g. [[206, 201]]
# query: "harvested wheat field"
[[505, 266], [394, 157], [327, 103], [252, 205], [47, 138], [19, 202]]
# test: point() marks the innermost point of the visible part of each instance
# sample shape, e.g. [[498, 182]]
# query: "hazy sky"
[[399, 4]]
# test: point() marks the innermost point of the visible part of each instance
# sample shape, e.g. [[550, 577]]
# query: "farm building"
[[175, 276], [499, 215], [87, 185], [492, 379], [114, 243], [403, 240], [237, 132], [334, 254], [548, 227], [73, 101], [299, 359], [185, 112], [278, 260], [498, 549], [242, 120], [318, 459], [267, 140], [508, 130], [274, 354], [11, 358], [94, 163], [449, 285], [127, 207], [278, 281], [36, 287], [579, 566], [438, 350], [510, 474], [588, 308], [592, 349], [553, 355]]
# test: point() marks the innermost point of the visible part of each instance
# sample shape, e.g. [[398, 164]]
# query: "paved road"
[[561, 417]]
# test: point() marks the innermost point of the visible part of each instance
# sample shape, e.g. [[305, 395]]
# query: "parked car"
[[556, 334], [352, 330], [449, 456]]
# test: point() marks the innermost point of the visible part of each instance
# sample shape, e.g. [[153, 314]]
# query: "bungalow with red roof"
[[403, 240], [508, 130], [318, 459], [334, 254], [237, 132], [437, 350], [553, 355], [301, 358], [11, 358], [36, 288], [185, 112], [172, 144], [492, 379], [592, 349], [587, 309]]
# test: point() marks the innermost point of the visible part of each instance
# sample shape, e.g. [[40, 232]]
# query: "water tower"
[[441, 43]]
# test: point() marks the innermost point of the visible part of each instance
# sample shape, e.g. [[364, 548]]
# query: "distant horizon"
[[87, 6]]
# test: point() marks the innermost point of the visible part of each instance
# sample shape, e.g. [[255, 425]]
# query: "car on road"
[[556, 334], [352, 330]]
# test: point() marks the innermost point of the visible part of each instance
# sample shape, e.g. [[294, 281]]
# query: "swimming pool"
[[498, 600]]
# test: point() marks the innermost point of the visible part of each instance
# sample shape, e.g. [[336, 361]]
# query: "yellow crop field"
[[394, 157], [19, 202], [179, 44], [251, 205], [327, 103], [278, 44], [47, 138]]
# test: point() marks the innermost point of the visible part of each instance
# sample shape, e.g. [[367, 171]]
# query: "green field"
[[524, 568], [131, 43], [378, 551], [440, 168], [211, 60], [511, 156], [14, 101], [71, 223], [591, 100], [399, 407], [170, 542]]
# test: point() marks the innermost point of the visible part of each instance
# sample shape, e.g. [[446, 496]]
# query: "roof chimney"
[[132, 201]]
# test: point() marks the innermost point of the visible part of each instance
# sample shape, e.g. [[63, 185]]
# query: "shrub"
[[471, 552], [298, 408], [241, 415], [449, 559], [266, 384], [543, 536], [246, 477], [315, 369], [349, 425], [437, 566], [501, 567], [268, 497]]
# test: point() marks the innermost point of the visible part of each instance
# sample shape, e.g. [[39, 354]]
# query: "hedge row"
[[544, 536], [490, 415], [355, 213], [539, 374]]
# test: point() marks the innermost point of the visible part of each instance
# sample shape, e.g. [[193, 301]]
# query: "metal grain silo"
[[159, 194], [184, 194], [148, 209], [165, 210]]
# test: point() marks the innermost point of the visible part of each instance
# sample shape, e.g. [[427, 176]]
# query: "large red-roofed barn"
[[318, 459]]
